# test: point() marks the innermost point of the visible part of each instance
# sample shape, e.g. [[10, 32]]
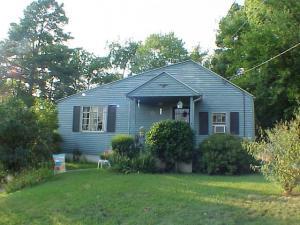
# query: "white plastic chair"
[[103, 162]]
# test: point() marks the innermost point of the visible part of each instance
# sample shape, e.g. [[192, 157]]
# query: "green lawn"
[[100, 197]]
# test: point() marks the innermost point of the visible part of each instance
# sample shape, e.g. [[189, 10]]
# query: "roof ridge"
[[120, 80]]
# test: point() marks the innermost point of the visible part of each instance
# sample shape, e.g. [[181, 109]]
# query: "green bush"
[[143, 162], [27, 133], [2, 174], [28, 178], [171, 141], [224, 154], [76, 155], [279, 153], [124, 145]]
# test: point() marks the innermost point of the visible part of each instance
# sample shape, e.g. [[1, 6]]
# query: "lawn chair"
[[102, 162]]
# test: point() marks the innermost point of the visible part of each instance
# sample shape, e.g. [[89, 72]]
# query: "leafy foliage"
[[159, 50], [142, 162], [28, 178], [3, 174], [124, 145], [224, 154], [252, 34], [171, 141], [279, 153], [27, 134]]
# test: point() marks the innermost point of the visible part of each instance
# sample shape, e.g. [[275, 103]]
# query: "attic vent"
[[163, 85]]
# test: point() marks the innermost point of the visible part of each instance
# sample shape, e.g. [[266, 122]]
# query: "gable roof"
[[164, 84], [151, 72]]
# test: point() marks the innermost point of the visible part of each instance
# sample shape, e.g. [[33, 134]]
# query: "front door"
[[182, 114]]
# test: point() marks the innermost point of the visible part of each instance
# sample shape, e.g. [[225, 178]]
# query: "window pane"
[[92, 118], [219, 118], [86, 109]]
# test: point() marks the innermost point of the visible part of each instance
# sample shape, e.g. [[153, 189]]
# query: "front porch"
[[148, 110], [162, 97]]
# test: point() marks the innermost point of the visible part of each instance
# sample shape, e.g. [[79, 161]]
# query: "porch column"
[[192, 113]]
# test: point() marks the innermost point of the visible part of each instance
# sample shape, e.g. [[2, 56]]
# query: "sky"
[[93, 23]]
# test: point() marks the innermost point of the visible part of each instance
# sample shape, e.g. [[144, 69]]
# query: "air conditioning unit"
[[219, 129]]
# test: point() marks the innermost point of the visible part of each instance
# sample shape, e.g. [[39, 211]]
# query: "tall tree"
[[198, 54], [121, 55], [39, 31], [253, 34], [159, 50]]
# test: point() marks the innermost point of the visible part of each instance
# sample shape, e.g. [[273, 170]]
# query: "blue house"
[[184, 91]]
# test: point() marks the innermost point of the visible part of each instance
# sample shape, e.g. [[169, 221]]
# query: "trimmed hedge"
[[224, 154], [124, 145]]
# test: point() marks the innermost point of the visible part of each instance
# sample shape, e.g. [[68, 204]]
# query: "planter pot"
[[184, 167], [160, 164]]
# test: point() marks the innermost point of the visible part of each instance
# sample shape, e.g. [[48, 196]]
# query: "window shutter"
[[76, 118], [234, 123], [111, 118], [203, 123]]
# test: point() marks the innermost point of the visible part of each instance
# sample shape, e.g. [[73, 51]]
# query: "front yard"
[[100, 197]]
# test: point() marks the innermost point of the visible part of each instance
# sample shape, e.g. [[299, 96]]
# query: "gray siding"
[[218, 96], [165, 85]]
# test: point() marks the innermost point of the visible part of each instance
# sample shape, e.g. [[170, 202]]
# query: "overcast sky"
[[94, 22]]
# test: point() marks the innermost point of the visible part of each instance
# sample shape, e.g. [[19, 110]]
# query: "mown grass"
[[78, 166], [100, 197]]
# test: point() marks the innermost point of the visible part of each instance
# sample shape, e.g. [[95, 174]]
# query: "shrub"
[[143, 162], [224, 154], [26, 133], [76, 155], [28, 178], [124, 145], [171, 141], [2, 174], [279, 153]]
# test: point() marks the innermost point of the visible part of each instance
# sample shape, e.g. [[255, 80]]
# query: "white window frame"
[[104, 119], [222, 124]]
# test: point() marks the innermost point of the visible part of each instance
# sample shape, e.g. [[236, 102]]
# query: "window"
[[93, 118], [219, 122], [182, 114]]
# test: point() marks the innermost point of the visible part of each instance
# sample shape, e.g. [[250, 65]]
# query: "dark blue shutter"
[[111, 118], [76, 118], [203, 123], [234, 123]]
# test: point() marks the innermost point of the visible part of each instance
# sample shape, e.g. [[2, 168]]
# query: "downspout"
[[244, 105]]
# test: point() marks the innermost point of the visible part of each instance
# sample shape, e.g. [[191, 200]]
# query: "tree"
[[279, 153], [122, 55], [252, 34], [23, 54], [198, 55], [159, 50]]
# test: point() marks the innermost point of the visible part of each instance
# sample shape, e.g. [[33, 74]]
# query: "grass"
[[83, 165], [101, 197]]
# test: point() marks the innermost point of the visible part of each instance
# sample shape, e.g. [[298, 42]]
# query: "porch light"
[[179, 105], [138, 103], [160, 111]]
